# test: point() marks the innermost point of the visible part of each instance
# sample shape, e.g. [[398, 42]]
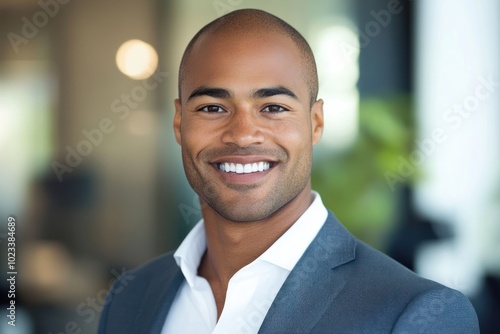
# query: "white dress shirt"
[[251, 290]]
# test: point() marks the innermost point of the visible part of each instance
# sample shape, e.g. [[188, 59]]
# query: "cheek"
[[295, 137], [194, 137]]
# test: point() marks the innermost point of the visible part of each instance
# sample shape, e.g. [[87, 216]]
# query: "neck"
[[232, 245]]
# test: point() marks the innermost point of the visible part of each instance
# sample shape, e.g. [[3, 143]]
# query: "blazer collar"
[[314, 282]]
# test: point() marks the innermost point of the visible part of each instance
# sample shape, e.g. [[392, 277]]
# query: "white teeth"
[[244, 168]]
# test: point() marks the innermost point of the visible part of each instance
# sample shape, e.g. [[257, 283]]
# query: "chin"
[[247, 212], [245, 215]]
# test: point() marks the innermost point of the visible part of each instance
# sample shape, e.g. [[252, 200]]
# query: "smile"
[[254, 167]]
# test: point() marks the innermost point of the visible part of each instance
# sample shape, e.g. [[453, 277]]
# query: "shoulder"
[[137, 295], [415, 304], [439, 310], [424, 306], [378, 294]]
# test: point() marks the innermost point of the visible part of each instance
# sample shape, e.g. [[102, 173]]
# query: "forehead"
[[243, 61]]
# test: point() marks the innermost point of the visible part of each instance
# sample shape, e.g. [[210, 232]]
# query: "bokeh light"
[[137, 59]]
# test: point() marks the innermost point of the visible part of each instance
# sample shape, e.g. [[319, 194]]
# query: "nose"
[[243, 129]]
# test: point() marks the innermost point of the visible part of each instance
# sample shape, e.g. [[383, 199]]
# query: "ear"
[[177, 120], [317, 121]]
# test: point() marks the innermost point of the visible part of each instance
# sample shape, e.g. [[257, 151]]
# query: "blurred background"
[[90, 170]]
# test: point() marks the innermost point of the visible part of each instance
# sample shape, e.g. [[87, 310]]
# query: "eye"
[[211, 109], [274, 108]]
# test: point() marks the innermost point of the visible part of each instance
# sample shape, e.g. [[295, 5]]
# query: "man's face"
[[245, 124]]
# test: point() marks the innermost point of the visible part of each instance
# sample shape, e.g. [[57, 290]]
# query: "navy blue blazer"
[[340, 285]]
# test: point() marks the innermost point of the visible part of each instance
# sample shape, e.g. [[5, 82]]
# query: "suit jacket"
[[340, 285]]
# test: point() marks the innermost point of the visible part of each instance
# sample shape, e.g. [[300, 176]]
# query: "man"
[[267, 257]]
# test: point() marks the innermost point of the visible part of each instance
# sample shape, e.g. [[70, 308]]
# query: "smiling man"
[[267, 256]]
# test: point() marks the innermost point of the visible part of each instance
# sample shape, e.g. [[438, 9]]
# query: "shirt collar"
[[285, 252], [288, 249], [190, 251]]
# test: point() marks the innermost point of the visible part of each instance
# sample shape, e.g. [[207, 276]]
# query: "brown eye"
[[212, 109], [274, 109]]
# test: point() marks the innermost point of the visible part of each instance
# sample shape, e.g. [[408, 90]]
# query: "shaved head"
[[241, 23]]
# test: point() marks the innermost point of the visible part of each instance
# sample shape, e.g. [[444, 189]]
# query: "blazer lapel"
[[157, 301], [313, 283]]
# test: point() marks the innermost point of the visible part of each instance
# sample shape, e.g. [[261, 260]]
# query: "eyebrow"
[[272, 91], [221, 93]]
